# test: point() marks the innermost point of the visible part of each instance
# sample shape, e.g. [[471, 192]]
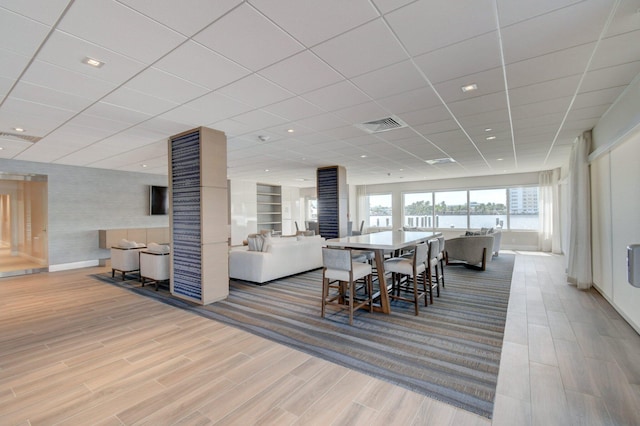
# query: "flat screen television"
[[158, 200]]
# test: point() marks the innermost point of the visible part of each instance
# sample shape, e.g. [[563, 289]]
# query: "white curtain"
[[361, 206], [549, 237], [579, 250]]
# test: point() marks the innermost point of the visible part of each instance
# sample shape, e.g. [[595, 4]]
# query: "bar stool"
[[441, 257], [411, 268], [339, 266], [432, 266]]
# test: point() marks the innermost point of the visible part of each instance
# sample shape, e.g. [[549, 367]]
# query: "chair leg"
[[442, 270], [370, 291], [415, 293], [113, 273], [351, 285], [325, 290], [424, 287]]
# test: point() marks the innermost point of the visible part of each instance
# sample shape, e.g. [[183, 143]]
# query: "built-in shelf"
[[269, 207]]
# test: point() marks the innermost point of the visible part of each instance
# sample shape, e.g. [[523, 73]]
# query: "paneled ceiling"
[[290, 81]]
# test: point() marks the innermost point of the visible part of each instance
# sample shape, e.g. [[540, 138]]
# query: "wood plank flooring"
[[74, 351]]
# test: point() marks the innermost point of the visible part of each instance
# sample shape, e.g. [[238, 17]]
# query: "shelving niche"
[[269, 201]]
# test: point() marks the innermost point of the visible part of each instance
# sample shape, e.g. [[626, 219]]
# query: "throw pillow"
[[255, 242]]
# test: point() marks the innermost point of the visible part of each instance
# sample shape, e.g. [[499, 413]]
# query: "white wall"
[[615, 193]]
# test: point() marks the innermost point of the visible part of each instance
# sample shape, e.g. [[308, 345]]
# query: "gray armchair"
[[473, 250]]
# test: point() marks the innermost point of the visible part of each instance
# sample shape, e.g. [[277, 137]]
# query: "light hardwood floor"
[[75, 351]]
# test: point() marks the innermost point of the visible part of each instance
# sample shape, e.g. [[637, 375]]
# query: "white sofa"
[[279, 258]]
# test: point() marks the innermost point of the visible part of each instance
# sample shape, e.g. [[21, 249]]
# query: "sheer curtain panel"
[[579, 250], [549, 237]]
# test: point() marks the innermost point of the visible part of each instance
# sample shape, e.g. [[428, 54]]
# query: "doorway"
[[24, 244]]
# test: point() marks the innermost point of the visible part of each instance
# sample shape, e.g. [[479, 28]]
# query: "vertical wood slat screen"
[[187, 238], [328, 202]]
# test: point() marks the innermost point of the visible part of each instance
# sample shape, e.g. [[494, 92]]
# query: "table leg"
[[384, 307]]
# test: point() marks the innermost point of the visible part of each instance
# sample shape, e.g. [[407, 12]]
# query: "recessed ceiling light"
[[18, 129], [499, 159], [470, 87], [440, 161], [266, 170], [488, 129], [401, 170], [363, 156], [92, 62], [290, 130], [1, 148], [490, 138], [144, 165]]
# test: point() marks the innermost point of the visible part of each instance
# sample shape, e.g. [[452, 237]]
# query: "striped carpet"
[[450, 352]]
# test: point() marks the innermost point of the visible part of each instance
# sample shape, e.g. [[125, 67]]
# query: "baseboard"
[[74, 265]]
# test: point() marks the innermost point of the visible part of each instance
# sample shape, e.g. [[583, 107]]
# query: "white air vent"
[[440, 161], [32, 139], [382, 125]]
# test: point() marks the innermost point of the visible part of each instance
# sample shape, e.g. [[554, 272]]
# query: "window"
[[379, 209], [418, 210], [451, 209], [523, 208], [312, 209], [488, 208]]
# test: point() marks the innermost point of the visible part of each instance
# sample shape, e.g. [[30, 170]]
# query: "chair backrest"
[[421, 253], [434, 248], [441, 244], [361, 226], [335, 258], [296, 222]]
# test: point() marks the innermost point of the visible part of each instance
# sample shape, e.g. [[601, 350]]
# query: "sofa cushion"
[[124, 243], [158, 248]]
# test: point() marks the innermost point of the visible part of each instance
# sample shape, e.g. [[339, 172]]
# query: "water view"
[[519, 222]]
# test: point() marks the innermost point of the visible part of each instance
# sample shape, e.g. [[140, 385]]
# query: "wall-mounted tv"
[[158, 200]]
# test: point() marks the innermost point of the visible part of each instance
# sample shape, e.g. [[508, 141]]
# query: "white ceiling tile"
[[218, 106], [137, 101], [5, 86], [422, 27], [323, 122], [559, 105], [610, 77], [392, 80], [19, 34], [256, 42], [67, 51], [107, 111], [46, 12], [490, 102], [294, 109], [525, 40], [549, 67], [426, 115], [538, 92], [625, 18], [259, 119], [256, 91], [12, 64], [386, 6], [414, 100], [231, 127], [100, 123], [160, 84], [185, 16], [44, 95], [36, 119], [144, 39], [188, 116], [336, 96], [312, 22], [488, 82], [368, 111], [302, 73], [598, 97], [461, 59], [361, 50], [617, 50], [511, 11], [437, 127], [196, 63], [62, 80]]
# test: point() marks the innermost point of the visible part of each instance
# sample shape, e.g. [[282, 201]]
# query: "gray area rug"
[[450, 352]]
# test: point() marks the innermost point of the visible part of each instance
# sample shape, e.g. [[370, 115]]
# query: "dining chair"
[[339, 267], [433, 275], [359, 231], [441, 258], [411, 268]]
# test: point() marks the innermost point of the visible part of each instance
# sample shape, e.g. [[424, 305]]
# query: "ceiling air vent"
[[440, 161], [32, 139], [382, 125]]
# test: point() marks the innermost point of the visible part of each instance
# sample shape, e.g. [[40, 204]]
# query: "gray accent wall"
[[83, 200]]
